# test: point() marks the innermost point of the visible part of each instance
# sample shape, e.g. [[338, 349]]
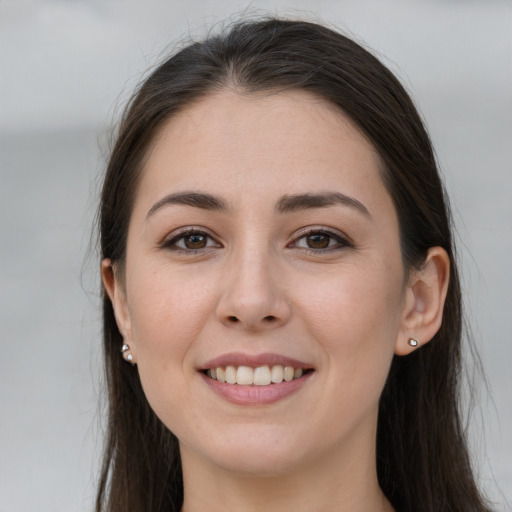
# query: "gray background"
[[65, 65]]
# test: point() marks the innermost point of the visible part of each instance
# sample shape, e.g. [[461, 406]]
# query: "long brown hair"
[[422, 458]]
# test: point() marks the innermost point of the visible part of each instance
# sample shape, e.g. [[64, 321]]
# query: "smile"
[[260, 376], [249, 379]]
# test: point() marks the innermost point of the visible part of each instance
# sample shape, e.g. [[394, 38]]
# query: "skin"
[[258, 287]]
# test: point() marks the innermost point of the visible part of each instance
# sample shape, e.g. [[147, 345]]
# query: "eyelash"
[[341, 242], [171, 244]]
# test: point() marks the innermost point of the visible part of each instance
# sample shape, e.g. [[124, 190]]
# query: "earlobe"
[[117, 295], [424, 302]]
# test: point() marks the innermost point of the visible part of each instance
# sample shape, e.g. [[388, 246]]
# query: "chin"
[[258, 452], [255, 463]]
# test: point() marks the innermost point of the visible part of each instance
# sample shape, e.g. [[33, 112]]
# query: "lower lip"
[[256, 395]]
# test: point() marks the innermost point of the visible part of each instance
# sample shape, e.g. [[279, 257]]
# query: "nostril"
[[232, 318], [270, 318]]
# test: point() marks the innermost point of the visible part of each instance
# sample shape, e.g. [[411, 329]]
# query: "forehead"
[[238, 145]]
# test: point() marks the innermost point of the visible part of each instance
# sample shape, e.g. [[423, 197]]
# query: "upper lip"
[[241, 359]]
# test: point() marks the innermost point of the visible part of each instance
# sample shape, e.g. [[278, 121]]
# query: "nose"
[[253, 296]]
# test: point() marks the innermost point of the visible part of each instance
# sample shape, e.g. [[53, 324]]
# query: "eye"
[[191, 240], [320, 240]]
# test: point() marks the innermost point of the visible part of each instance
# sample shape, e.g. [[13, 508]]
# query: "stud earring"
[[413, 343], [127, 355]]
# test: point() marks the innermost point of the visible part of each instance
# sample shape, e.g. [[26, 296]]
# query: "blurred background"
[[67, 66]]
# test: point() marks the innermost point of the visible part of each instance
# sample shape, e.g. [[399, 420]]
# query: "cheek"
[[166, 317], [353, 301], [355, 317], [163, 303]]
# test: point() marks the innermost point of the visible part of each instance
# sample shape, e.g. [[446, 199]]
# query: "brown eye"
[[318, 241], [191, 241], [194, 242]]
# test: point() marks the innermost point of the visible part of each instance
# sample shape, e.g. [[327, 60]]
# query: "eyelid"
[[170, 239], [343, 240], [340, 237]]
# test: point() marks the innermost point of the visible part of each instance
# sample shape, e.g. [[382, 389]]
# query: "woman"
[[282, 311]]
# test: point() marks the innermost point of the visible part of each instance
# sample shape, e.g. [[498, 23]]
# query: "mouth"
[[261, 379], [265, 375]]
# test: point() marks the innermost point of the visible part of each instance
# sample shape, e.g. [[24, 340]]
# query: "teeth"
[[221, 374], [276, 375], [260, 376], [244, 376], [230, 374], [288, 373]]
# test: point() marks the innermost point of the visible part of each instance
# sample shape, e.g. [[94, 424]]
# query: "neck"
[[333, 482]]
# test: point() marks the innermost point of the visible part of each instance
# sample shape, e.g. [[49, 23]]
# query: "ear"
[[116, 291], [424, 300]]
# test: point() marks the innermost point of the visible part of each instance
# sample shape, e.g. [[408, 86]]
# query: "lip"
[[240, 359], [256, 395]]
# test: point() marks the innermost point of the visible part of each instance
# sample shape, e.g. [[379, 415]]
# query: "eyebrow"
[[287, 203], [195, 199], [297, 202]]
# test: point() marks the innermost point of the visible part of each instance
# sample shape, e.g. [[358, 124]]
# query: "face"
[[263, 246]]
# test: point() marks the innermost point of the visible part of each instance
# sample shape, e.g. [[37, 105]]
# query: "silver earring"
[[127, 355], [413, 343]]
